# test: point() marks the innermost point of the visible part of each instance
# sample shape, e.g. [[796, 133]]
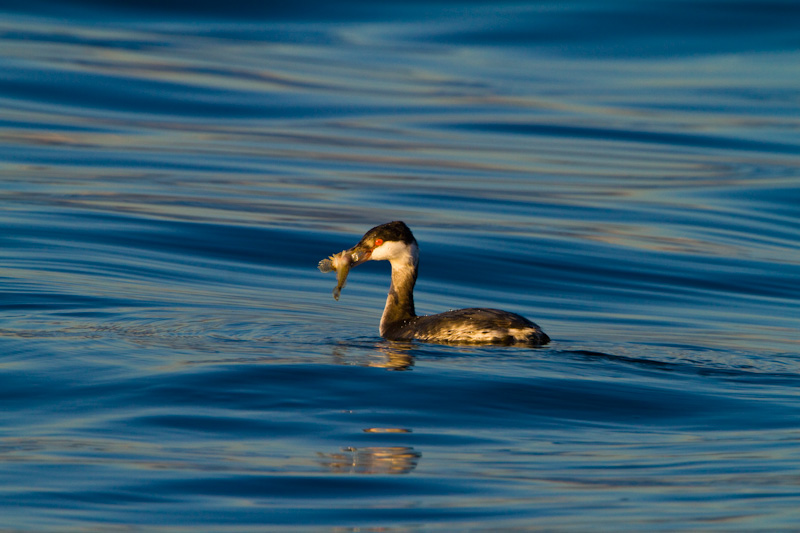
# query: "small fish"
[[341, 263]]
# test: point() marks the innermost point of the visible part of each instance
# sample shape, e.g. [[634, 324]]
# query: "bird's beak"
[[359, 254]]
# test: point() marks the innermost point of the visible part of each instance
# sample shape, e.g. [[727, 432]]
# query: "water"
[[625, 174]]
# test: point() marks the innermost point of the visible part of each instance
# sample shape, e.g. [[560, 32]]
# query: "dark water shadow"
[[635, 136]]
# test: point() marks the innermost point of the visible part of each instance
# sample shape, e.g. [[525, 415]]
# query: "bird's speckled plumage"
[[474, 325]]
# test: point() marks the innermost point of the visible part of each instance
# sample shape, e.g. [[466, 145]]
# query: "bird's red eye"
[[378, 242]]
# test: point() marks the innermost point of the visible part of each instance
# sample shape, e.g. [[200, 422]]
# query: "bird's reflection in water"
[[384, 354], [372, 460]]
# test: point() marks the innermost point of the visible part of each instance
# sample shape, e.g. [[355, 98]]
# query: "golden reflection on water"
[[384, 354], [371, 460]]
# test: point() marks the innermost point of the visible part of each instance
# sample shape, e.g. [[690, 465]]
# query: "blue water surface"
[[626, 174]]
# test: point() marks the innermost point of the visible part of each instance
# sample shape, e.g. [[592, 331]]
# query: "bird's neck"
[[400, 302]]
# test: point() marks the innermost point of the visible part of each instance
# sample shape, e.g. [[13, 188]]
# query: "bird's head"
[[392, 241]]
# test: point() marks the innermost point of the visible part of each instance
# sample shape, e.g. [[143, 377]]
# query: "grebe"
[[395, 243]]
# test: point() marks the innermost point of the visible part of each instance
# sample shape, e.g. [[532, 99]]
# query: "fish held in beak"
[[342, 263]]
